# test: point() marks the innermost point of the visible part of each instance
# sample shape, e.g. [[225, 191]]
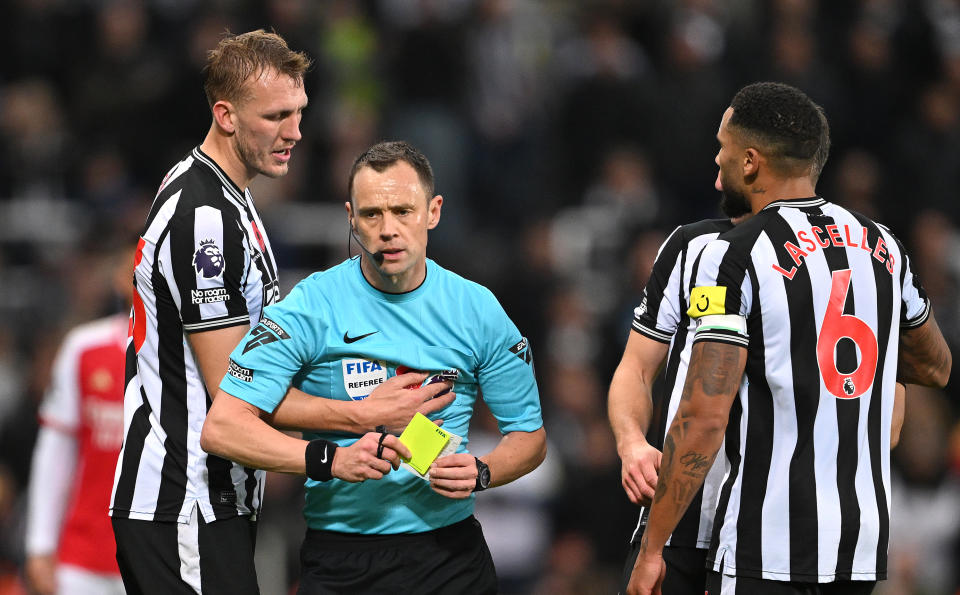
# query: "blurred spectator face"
[[29, 110], [793, 49], [643, 255], [267, 123], [122, 28], [869, 47], [939, 108], [859, 179]]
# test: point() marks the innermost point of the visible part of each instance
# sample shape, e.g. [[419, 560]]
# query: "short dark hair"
[[384, 154], [784, 124], [823, 151], [237, 58]]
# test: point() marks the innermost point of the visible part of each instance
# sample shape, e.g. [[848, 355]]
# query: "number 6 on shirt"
[[837, 325]]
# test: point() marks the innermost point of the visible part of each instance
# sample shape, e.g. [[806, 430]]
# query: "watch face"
[[483, 475]]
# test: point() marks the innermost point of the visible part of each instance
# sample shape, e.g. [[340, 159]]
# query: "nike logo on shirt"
[[348, 339], [324, 459]]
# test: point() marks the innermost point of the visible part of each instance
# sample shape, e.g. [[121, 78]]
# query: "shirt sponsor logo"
[[208, 260], [267, 331], [239, 372], [707, 301], [361, 376], [209, 296]]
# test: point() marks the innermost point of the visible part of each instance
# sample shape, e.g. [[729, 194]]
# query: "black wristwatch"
[[483, 476]]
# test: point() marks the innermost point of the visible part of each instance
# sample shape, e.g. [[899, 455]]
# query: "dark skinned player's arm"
[[925, 358], [695, 436]]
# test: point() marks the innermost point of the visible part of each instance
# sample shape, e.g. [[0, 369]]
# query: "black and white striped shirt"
[[203, 263], [818, 295], [662, 316]]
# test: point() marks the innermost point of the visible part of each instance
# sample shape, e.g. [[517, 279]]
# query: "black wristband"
[[318, 459]]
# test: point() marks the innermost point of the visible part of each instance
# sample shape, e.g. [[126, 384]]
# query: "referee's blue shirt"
[[337, 336]]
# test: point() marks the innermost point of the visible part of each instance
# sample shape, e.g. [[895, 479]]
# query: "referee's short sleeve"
[[265, 362]]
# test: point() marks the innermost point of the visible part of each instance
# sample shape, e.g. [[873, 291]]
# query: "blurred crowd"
[[568, 139]]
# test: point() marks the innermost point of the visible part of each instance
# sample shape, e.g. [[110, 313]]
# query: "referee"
[[810, 301]]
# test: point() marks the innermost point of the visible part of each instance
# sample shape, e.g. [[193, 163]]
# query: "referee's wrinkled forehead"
[[384, 154]]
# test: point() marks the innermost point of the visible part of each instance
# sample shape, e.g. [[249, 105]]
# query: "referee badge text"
[[361, 376]]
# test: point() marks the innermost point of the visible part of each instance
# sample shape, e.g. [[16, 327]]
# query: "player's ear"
[[751, 162], [433, 211], [224, 115]]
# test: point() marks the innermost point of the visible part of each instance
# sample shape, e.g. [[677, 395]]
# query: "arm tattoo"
[[695, 464], [666, 467], [691, 445], [718, 369], [925, 357]]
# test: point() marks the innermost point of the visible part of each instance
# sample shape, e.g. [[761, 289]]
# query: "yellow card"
[[425, 440]]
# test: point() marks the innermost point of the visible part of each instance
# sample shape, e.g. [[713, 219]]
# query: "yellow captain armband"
[[707, 301]]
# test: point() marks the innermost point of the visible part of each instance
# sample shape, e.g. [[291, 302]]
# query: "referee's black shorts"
[[686, 569], [170, 558], [454, 560]]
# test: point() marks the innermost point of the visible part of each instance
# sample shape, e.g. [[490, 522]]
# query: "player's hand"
[[639, 471], [359, 462], [392, 404], [41, 574], [648, 573], [454, 476]]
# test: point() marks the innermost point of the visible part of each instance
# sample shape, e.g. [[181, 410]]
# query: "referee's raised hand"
[[359, 461]]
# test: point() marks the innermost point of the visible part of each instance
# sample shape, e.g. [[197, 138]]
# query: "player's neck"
[[217, 146], [401, 282], [764, 192]]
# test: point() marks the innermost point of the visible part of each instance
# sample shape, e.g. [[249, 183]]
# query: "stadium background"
[[568, 139]]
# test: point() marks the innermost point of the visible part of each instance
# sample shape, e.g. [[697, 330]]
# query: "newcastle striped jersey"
[[202, 263], [817, 294], [662, 316]]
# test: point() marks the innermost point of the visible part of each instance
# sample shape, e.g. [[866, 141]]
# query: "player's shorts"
[[721, 584], [454, 559], [686, 569], [170, 558]]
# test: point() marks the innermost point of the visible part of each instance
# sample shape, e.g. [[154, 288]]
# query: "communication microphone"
[[377, 256]]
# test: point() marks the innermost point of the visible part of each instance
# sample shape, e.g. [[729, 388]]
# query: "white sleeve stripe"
[[654, 334], [919, 320], [222, 322], [722, 338]]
